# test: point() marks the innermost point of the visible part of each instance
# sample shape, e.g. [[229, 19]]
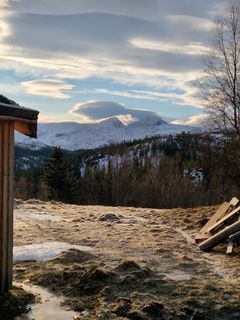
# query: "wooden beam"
[[230, 247], [220, 236], [201, 237], [17, 111], [25, 119], [234, 201], [6, 204], [217, 215], [232, 214], [26, 127], [234, 236]]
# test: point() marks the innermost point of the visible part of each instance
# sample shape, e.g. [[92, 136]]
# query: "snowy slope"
[[73, 136]]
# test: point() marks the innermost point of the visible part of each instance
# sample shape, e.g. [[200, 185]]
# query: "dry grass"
[[144, 263]]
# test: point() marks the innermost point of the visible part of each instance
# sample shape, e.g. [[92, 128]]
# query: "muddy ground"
[[143, 264], [15, 303]]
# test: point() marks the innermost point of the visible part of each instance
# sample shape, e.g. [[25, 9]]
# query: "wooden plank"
[[217, 215], [230, 247], [10, 204], [3, 213], [234, 236], [5, 200], [29, 129], [220, 236], [6, 204], [18, 112], [201, 237], [9, 118], [230, 215], [234, 201], [2, 263]]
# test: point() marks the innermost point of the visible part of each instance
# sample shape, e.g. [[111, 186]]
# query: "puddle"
[[44, 251], [28, 216], [178, 276], [48, 308]]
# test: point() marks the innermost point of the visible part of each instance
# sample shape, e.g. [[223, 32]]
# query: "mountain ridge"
[[73, 136]]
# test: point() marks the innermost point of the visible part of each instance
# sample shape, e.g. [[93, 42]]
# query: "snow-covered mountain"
[[74, 136]]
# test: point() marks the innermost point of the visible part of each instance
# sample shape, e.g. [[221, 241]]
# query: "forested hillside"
[[178, 171]]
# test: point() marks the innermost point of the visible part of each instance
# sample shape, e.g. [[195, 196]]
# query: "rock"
[[109, 217]]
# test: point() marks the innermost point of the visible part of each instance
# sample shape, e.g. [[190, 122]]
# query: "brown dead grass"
[[144, 264]]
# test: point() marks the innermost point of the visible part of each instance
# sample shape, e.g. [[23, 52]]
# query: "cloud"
[[196, 23], [98, 110], [3, 3], [196, 120], [137, 94], [49, 88], [136, 8], [129, 42], [193, 48]]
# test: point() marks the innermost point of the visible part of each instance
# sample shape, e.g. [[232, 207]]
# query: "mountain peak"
[[114, 122], [152, 120]]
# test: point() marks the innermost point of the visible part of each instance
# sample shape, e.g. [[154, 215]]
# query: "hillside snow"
[[73, 136]]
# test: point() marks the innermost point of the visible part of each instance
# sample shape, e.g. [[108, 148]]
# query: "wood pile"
[[224, 225]]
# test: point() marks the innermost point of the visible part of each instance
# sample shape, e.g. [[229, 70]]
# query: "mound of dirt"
[[128, 266], [15, 304], [73, 256], [109, 217]]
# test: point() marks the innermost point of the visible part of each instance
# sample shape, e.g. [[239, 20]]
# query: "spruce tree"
[[61, 183]]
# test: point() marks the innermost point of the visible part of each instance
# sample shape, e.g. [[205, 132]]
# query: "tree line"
[[155, 173]]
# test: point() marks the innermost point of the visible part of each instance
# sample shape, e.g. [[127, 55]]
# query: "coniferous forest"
[[178, 171]]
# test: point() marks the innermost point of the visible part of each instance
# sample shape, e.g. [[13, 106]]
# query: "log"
[[235, 236], [220, 236]]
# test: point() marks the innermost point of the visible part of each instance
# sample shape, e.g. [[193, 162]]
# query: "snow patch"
[[178, 276], [28, 216], [43, 251]]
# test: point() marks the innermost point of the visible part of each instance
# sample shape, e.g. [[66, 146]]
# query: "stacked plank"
[[224, 225]]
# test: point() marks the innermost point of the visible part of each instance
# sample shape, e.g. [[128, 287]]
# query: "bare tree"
[[221, 87]]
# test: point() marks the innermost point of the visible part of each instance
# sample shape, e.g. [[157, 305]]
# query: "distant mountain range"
[[74, 136]]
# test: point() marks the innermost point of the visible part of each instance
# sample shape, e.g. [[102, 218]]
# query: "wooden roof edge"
[[27, 128], [25, 119], [19, 112]]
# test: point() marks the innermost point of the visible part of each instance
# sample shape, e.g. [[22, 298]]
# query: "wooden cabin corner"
[[12, 117]]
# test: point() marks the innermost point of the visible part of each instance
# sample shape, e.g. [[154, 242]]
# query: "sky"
[[87, 60]]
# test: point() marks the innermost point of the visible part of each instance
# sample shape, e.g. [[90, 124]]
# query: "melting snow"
[[48, 309], [24, 215], [43, 251], [178, 276]]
